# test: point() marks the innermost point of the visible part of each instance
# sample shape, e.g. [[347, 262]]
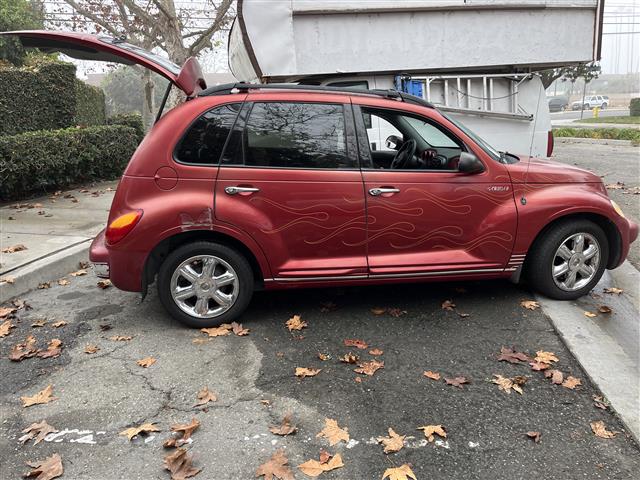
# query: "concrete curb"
[[45, 269], [594, 141]]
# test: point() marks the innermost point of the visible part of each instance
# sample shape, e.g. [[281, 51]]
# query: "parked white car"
[[590, 102]]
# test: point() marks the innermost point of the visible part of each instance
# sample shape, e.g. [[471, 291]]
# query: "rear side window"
[[204, 141], [296, 135]]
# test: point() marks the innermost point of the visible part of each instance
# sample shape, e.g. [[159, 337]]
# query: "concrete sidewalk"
[[56, 231]]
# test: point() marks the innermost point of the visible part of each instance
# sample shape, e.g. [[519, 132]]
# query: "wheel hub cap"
[[576, 261]]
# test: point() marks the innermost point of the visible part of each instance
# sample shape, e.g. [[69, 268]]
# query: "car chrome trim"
[[390, 275]]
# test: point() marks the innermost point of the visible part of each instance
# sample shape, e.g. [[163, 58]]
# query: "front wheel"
[[568, 260], [205, 284]]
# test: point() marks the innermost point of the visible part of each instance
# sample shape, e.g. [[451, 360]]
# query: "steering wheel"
[[406, 153]]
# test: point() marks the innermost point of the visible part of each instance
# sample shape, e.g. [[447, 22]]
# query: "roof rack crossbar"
[[242, 87]]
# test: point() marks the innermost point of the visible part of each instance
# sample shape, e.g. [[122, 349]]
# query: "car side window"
[[296, 135], [204, 141]]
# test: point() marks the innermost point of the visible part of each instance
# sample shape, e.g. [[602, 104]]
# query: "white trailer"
[[472, 58]]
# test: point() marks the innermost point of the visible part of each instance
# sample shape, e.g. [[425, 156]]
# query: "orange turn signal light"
[[121, 226]]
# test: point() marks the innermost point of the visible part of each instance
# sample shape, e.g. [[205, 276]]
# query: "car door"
[[434, 220], [290, 178]]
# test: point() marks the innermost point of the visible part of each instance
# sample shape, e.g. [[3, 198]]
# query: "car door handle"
[[379, 191], [235, 190]]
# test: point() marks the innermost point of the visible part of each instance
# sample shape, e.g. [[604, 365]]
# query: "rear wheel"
[[568, 260], [204, 284]]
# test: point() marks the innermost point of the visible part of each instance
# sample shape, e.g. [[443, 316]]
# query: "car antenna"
[[523, 198]]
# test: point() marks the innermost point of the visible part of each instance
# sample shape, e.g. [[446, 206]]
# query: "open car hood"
[[103, 48]]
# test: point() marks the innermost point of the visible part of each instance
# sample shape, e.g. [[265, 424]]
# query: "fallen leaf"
[[19, 304], [354, 342], [402, 472], [146, 362], [276, 467], [369, 368], [36, 432], [144, 428], [333, 432], [530, 304], [448, 305], [307, 372], [200, 340], [590, 314], [24, 350], [39, 323], [265, 402], [313, 468], [10, 280], [463, 315], [63, 282], [6, 311], [104, 284], [59, 324], [393, 442], [349, 358], [378, 310], [43, 396], [512, 356], [120, 338], [295, 323], [600, 402], [323, 356], [89, 348], [358, 379], [456, 381], [44, 285], [396, 312], [615, 186], [205, 396], [104, 327], [53, 349], [5, 328], [182, 433], [605, 309], [556, 376], [14, 248], [220, 331], [376, 352], [431, 375], [613, 290], [545, 357], [83, 265], [535, 436], [179, 464], [46, 469], [78, 273], [571, 383], [285, 428], [600, 430], [431, 430], [238, 329], [506, 384], [538, 366]]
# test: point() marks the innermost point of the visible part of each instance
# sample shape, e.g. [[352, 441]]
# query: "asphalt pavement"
[[101, 394]]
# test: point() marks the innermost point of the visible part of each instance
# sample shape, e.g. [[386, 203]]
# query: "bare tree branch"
[[204, 39]]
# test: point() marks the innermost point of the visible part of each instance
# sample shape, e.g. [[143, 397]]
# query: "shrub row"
[[90, 105], [37, 162], [600, 133], [133, 120], [634, 107]]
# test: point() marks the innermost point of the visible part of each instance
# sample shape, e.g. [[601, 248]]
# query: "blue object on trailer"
[[404, 83]]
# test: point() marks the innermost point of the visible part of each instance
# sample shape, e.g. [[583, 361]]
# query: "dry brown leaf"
[[238, 329], [590, 314], [448, 305], [323, 356], [349, 358], [546, 357], [556, 376], [63, 282], [392, 443], [396, 312], [6, 311], [205, 396], [14, 248], [402, 472], [89, 348], [24, 350], [146, 362], [535, 436], [378, 310], [314, 468], [39, 323], [179, 464], [358, 379], [456, 381], [5, 328], [120, 338], [529, 304], [600, 402], [369, 368], [44, 285], [333, 432], [431, 430], [355, 342], [220, 331], [144, 428], [285, 428], [605, 309], [512, 356], [78, 273], [59, 324], [571, 383], [10, 280], [307, 372], [538, 366], [431, 375], [36, 432], [506, 384], [182, 433], [613, 290], [46, 469], [200, 340], [276, 467], [295, 323], [376, 352], [53, 349], [104, 284], [43, 396], [600, 430]]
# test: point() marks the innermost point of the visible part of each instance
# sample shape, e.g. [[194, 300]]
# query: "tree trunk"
[[148, 103]]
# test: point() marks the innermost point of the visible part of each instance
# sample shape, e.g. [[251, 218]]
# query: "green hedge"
[[600, 133], [133, 120], [634, 107], [37, 162], [90, 105]]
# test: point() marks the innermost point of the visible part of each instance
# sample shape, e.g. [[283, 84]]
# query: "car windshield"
[[492, 152]]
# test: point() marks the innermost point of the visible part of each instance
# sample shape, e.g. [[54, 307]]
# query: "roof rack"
[[242, 87]]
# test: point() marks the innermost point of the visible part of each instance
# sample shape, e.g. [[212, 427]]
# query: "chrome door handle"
[[379, 191], [234, 190]]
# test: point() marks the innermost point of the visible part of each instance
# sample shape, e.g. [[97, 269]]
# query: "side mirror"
[[469, 163]]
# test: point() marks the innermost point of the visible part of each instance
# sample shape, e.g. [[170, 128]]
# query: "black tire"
[[538, 267], [236, 260], [604, 106]]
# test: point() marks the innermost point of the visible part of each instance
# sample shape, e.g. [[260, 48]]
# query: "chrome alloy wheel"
[[204, 286], [576, 262]]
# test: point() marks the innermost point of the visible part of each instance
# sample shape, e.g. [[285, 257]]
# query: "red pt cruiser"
[[244, 187]]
